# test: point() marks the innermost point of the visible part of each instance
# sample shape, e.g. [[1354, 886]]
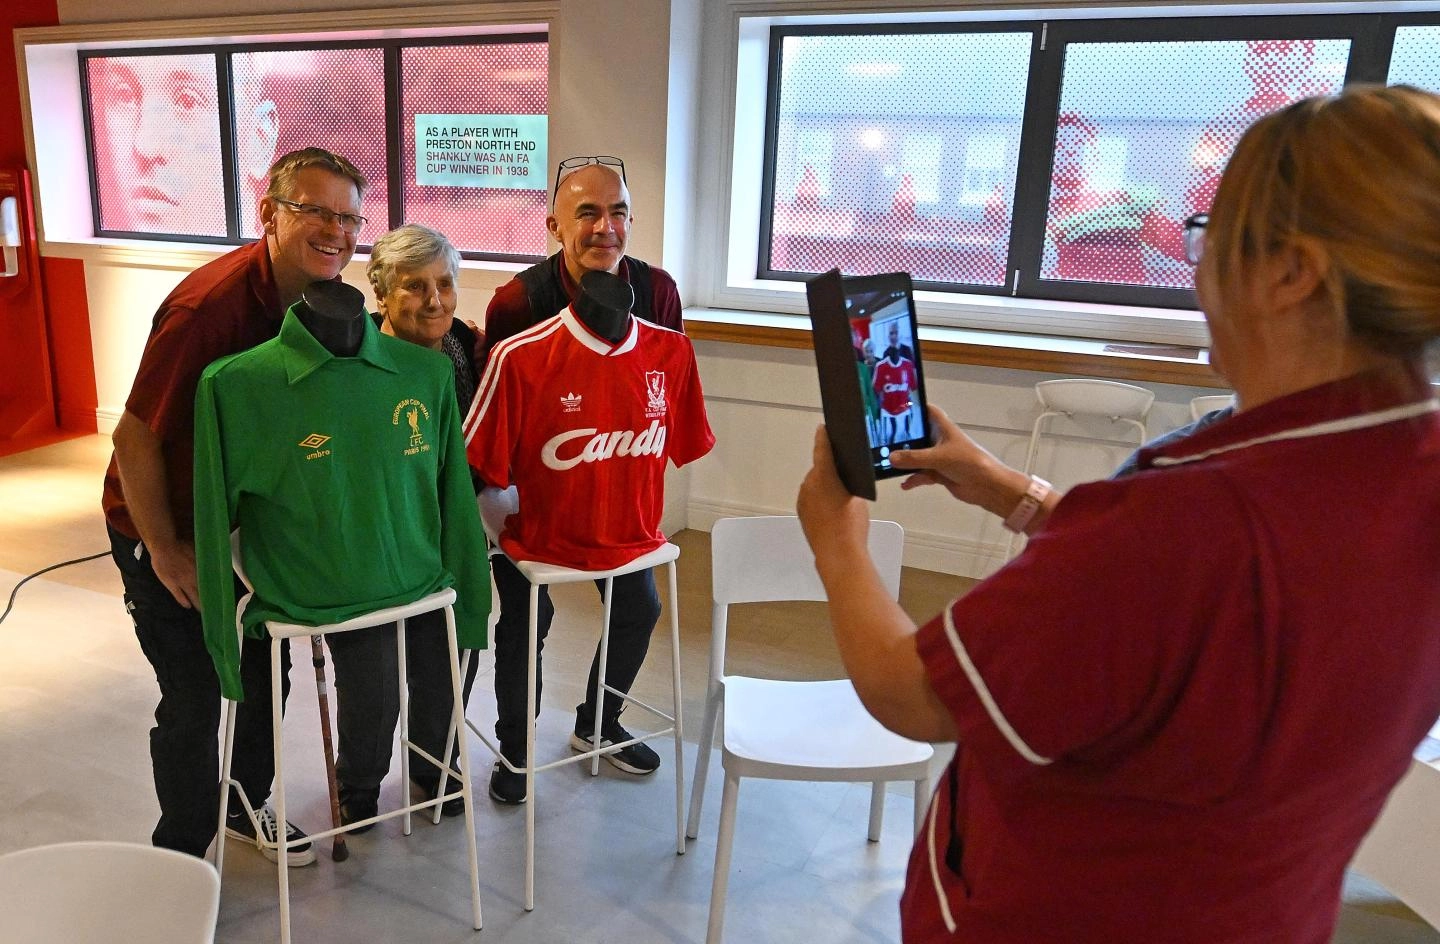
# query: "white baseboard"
[[926, 550], [106, 421]]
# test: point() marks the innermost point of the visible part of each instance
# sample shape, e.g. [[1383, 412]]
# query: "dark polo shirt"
[[226, 306]]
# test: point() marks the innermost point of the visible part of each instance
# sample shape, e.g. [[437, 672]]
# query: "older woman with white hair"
[[413, 271], [1181, 708]]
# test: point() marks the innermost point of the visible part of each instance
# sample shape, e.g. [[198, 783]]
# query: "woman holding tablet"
[[1181, 708]]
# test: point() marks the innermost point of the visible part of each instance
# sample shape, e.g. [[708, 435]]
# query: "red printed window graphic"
[[497, 95], [1133, 158], [157, 144], [292, 99], [898, 152]]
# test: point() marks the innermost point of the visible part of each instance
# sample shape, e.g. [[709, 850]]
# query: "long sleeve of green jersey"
[[213, 515], [462, 537]]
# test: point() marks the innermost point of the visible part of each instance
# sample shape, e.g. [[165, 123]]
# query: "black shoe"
[[240, 827], [357, 803], [451, 807], [506, 785], [636, 759]]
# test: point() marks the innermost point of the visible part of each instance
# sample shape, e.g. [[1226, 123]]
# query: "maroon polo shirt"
[[226, 306], [509, 311], [1182, 707]]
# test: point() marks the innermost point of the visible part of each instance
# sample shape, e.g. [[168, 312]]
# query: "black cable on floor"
[[79, 560]]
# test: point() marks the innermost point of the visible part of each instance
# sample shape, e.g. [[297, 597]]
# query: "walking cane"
[[339, 851]]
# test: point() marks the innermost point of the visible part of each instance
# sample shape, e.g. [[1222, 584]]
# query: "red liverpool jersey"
[[894, 382], [583, 429]]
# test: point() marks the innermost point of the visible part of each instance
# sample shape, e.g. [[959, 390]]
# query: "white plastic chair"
[[495, 505], [106, 893], [1199, 406], [441, 599], [1125, 404], [1400, 851], [784, 730]]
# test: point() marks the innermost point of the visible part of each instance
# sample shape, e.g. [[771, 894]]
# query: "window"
[[448, 133], [1038, 159]]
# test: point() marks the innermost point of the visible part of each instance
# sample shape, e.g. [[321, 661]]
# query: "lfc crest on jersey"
[[654, 393]]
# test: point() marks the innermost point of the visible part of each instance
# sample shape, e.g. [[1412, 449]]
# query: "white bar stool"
[[494, 505], [1122, 403], [441, 599]]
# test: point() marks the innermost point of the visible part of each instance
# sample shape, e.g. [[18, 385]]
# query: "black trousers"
[[183, 749], [368, 699], [634, 611]]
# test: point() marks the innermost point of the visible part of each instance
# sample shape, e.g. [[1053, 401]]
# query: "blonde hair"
[[283, 172], [1357, 174], [408, 247]]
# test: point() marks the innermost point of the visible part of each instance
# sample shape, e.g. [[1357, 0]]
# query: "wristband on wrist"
[[1030, 502]]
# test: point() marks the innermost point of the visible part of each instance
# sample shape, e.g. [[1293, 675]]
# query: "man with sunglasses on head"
[[310, 217], [590, 218]]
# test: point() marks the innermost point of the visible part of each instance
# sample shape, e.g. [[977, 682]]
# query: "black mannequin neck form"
[[604, 304], [332, 312]]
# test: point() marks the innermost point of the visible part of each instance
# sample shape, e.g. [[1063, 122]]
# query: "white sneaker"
[[241, 827]]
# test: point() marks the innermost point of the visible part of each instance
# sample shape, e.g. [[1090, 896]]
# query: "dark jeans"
[[367, 692], [183, 752], [634, 611]]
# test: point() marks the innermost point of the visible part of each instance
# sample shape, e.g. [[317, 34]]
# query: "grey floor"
[[76, 697]]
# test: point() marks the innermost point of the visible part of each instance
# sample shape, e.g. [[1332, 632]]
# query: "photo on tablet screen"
[[882, 328]]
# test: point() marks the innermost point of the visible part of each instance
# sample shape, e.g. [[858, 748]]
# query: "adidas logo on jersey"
[[601, 446], [571, 402]]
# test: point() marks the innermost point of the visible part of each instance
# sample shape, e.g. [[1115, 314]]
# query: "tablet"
[[872, 386]]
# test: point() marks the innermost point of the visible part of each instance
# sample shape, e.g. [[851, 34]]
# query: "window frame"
[[393, 90]]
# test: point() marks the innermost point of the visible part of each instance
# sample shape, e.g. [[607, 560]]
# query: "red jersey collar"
[[1369, 398]]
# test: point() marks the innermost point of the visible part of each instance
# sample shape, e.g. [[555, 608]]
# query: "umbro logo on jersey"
[[313, 442], [571, 402], [601, 446]]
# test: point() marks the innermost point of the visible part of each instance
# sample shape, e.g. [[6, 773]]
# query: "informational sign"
[[498, 151]]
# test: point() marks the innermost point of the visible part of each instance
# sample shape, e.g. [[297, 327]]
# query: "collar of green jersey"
[[302, 354]]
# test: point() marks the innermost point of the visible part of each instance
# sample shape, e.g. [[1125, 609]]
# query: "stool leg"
[[404, 693], [450, 737], [281, 833], [724, 840], [530, 748], [679, 720], [225, 759], [922, 799], [877, 810], [600, 677], [457, 719]]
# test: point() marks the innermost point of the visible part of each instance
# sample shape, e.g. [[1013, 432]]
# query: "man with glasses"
[[590, 218], [310, 216]]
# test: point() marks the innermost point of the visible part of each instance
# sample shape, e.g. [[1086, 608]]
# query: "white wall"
[[626, 78]]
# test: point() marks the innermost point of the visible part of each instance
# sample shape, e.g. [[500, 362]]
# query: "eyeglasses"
[[320, 216], [1195, 237], [572, 164]]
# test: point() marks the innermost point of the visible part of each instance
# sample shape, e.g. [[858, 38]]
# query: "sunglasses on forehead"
[[572, 164]]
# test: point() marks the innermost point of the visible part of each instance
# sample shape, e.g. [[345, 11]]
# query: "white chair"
[[442, 599], [1199, 406], [495, 505], [784, 730], [1121, 403], [1400, 851], [106, 893]]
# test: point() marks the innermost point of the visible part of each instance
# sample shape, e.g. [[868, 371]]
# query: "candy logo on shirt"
[[601, 446], [412, 410], [655, 393]]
